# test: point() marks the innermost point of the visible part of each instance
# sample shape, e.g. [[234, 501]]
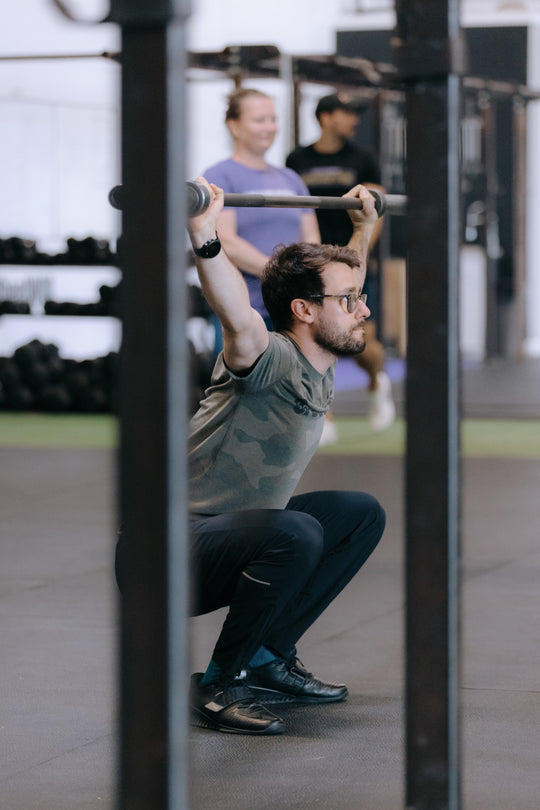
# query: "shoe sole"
[[201, 721], [269, 696]]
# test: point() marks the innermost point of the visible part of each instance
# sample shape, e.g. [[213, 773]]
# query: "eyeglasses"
[[351, 300]]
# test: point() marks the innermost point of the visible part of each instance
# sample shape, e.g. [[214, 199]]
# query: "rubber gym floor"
[[59, 620]]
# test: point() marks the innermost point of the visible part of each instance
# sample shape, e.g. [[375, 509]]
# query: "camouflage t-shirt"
[[253, 436]]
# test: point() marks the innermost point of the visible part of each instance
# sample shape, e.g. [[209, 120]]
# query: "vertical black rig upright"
[[429, 57], [153, 408]]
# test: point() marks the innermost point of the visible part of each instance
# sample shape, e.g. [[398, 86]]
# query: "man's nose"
[[363, 310]]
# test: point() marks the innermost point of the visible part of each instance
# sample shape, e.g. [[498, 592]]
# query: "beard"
[[342, 344]]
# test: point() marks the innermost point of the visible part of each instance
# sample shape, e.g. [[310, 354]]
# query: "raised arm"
[[364, 223], [245, 336], [310, 228]]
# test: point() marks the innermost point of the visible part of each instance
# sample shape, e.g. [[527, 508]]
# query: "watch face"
[[209, 250]]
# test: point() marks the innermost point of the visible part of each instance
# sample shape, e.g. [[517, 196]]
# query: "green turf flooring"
[[58, 430], [481, 438]]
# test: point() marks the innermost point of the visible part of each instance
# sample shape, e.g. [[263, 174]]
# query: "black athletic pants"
[[278, 569]]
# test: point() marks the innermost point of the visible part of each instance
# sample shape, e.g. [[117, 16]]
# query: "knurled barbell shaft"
[[389, 203]]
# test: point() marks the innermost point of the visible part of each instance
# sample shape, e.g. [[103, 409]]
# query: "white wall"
[[32, 27], [59, 126], [296, 26]]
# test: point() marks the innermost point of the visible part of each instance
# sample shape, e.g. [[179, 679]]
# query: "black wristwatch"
[[209, 249]]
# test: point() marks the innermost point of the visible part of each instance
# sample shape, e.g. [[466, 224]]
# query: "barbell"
[[198, 200]]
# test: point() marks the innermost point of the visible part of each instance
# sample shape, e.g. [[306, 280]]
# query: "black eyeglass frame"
[[351, 298]]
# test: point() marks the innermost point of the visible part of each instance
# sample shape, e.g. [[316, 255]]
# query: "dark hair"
[[295, 272], [235, 99], [340, 101]]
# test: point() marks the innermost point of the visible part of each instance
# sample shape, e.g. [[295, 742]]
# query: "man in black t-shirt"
[[330, 167]]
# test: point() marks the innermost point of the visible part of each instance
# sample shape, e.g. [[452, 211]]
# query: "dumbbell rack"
[[63, 320]]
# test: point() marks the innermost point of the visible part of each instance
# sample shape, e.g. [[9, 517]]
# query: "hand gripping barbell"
[[198, 200]]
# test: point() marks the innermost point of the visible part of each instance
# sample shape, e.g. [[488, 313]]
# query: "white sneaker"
[[382, 410], [329, 433]]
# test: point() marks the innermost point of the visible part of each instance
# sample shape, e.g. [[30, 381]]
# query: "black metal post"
[[428, 50], [153, 410]]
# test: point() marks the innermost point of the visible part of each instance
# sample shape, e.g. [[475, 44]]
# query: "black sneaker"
[[232, 708], [286, 681]]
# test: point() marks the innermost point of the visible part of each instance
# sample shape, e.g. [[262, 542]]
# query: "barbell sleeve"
[[198, 198], [116, 197]]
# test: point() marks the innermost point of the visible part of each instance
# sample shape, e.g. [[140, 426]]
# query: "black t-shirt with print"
[[332, 175]]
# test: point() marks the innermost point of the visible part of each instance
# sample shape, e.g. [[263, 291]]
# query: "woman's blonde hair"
[[235, 99]]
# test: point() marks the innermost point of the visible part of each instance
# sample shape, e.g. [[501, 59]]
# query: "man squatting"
[[276, 559]]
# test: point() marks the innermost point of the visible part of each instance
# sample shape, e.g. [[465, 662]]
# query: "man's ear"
[[302, 310]]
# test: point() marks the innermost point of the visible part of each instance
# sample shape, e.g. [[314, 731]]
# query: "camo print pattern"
[[253, 436]]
